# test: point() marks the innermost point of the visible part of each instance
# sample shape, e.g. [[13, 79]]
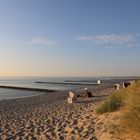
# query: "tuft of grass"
[[113, 103]]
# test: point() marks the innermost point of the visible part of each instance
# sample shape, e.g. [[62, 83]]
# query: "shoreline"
[[49, 116]]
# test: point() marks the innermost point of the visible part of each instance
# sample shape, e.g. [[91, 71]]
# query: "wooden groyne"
[[28, 89], [67, 83]]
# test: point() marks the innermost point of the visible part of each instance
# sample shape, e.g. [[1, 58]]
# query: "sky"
[[69, 38]]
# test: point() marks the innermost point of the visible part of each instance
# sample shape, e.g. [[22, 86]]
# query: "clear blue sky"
[[69, 37]]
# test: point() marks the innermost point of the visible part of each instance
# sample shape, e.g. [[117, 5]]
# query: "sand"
[[50, 117]]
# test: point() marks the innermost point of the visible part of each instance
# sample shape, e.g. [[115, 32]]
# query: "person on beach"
[[88, 93], [85, 94]]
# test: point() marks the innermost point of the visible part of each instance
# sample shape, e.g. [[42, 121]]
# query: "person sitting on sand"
[[85, 94], [88, 93]]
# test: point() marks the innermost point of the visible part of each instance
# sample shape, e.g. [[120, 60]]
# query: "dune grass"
[[128, 101], [130, 119], [113, 103]]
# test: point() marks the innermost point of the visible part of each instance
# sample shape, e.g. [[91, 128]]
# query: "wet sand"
[[50, 117]]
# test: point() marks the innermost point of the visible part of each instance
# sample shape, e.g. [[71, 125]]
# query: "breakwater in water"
[[28, 89], [67, 83]]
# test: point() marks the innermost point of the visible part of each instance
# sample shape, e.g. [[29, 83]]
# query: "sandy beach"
[[50, 117]]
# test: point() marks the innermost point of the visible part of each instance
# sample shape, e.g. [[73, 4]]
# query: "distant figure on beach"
[[117, 86], [88, 93], [85, 94], [129, 83]]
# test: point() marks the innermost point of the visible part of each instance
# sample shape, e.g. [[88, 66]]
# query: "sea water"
[[31, 83]]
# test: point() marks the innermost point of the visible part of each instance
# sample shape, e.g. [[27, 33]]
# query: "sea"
[[30, 82]]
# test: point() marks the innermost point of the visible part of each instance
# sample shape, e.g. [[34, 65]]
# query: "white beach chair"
[[71, 94], [70, 98], [117, 86]]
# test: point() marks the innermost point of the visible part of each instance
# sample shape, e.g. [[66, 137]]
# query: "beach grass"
[[131, 112], [113, 103], [127, 101]]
